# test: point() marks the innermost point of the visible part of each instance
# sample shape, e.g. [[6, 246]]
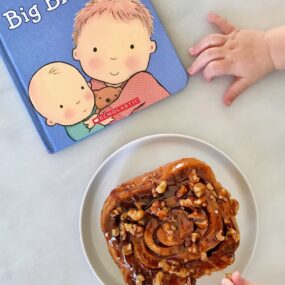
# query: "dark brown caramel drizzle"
[[154, 247]]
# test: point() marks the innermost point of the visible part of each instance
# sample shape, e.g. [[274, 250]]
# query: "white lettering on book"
[[17, 18]]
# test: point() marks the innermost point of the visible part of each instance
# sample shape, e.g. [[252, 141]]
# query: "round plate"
[[144, 155]]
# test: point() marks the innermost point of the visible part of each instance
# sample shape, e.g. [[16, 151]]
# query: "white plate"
[[146, 154]]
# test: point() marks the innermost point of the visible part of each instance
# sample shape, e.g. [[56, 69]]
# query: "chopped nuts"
[[193, 177], [123, 232], [158, 208], [217, 212], [173, 267], [182, 191], [195, 215], [191, 185], [127, 249], [189, 280], [199, 219], [188, 203], [201, 201], [192, 270], [219, 236], [193, 249], [210, 186], [117, 212], [194, 237], [169, 229], [204, 256], [235, 235], [139, 280], [129, 227], [234, 206], [198, 202], [134, 230], [161, 188], [208, 271], [224, 193], [141, 223], [164, 265], [202, 224], [136, 215], [115, 232], [154, 193], [139, 205], [183, 272], [158, 279], [223, 198], [212, 197], [228, 259], [124, 216], [199, 189], [227, 220]]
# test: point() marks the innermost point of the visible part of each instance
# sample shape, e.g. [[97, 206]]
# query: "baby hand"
[[90, 123], [242, 53], [236, 280], [107, 121]]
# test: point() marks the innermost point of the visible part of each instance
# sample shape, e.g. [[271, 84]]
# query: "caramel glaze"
[[183, 265]]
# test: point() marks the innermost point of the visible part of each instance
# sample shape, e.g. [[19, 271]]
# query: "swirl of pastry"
[[172, 225]]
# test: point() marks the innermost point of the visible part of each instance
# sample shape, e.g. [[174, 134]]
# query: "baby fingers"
[[238, 86], [213, 40], [226, 281], [216, 68], [204, 58], [225, 26]]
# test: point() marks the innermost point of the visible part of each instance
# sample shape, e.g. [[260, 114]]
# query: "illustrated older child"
[[61, 94], [113, 44]]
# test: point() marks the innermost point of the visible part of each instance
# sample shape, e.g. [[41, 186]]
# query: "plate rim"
[[156, 136]]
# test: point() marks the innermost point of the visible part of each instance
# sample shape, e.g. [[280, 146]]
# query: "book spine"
[[21, 89]]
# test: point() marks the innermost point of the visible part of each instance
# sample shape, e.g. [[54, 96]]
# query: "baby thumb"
[[226, 281], [239, 85], [239, 280]]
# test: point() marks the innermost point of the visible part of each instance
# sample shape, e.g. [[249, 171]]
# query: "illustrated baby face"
[[111, 50], [61, 94]]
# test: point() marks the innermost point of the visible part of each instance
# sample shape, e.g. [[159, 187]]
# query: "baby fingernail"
[[228, 103], [211, 15], [190, 70]]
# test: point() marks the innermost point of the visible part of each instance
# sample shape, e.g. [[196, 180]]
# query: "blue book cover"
[[81, 66]]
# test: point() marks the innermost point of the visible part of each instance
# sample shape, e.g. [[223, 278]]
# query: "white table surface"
[[40, 194]]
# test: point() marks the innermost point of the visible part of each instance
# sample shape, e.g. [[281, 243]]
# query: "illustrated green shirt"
[[80, 130]]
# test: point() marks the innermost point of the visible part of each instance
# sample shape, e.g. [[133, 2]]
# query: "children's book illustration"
[[61, 95], [113, 45], [113, 59]]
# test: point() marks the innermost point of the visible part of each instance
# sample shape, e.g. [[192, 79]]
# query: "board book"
[[82, 66]]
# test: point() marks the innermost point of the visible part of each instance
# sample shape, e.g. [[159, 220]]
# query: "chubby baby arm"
[[245, 54], [276, 42], [90, 123]]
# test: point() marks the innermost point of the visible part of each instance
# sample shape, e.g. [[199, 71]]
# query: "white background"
[[40, 194]]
